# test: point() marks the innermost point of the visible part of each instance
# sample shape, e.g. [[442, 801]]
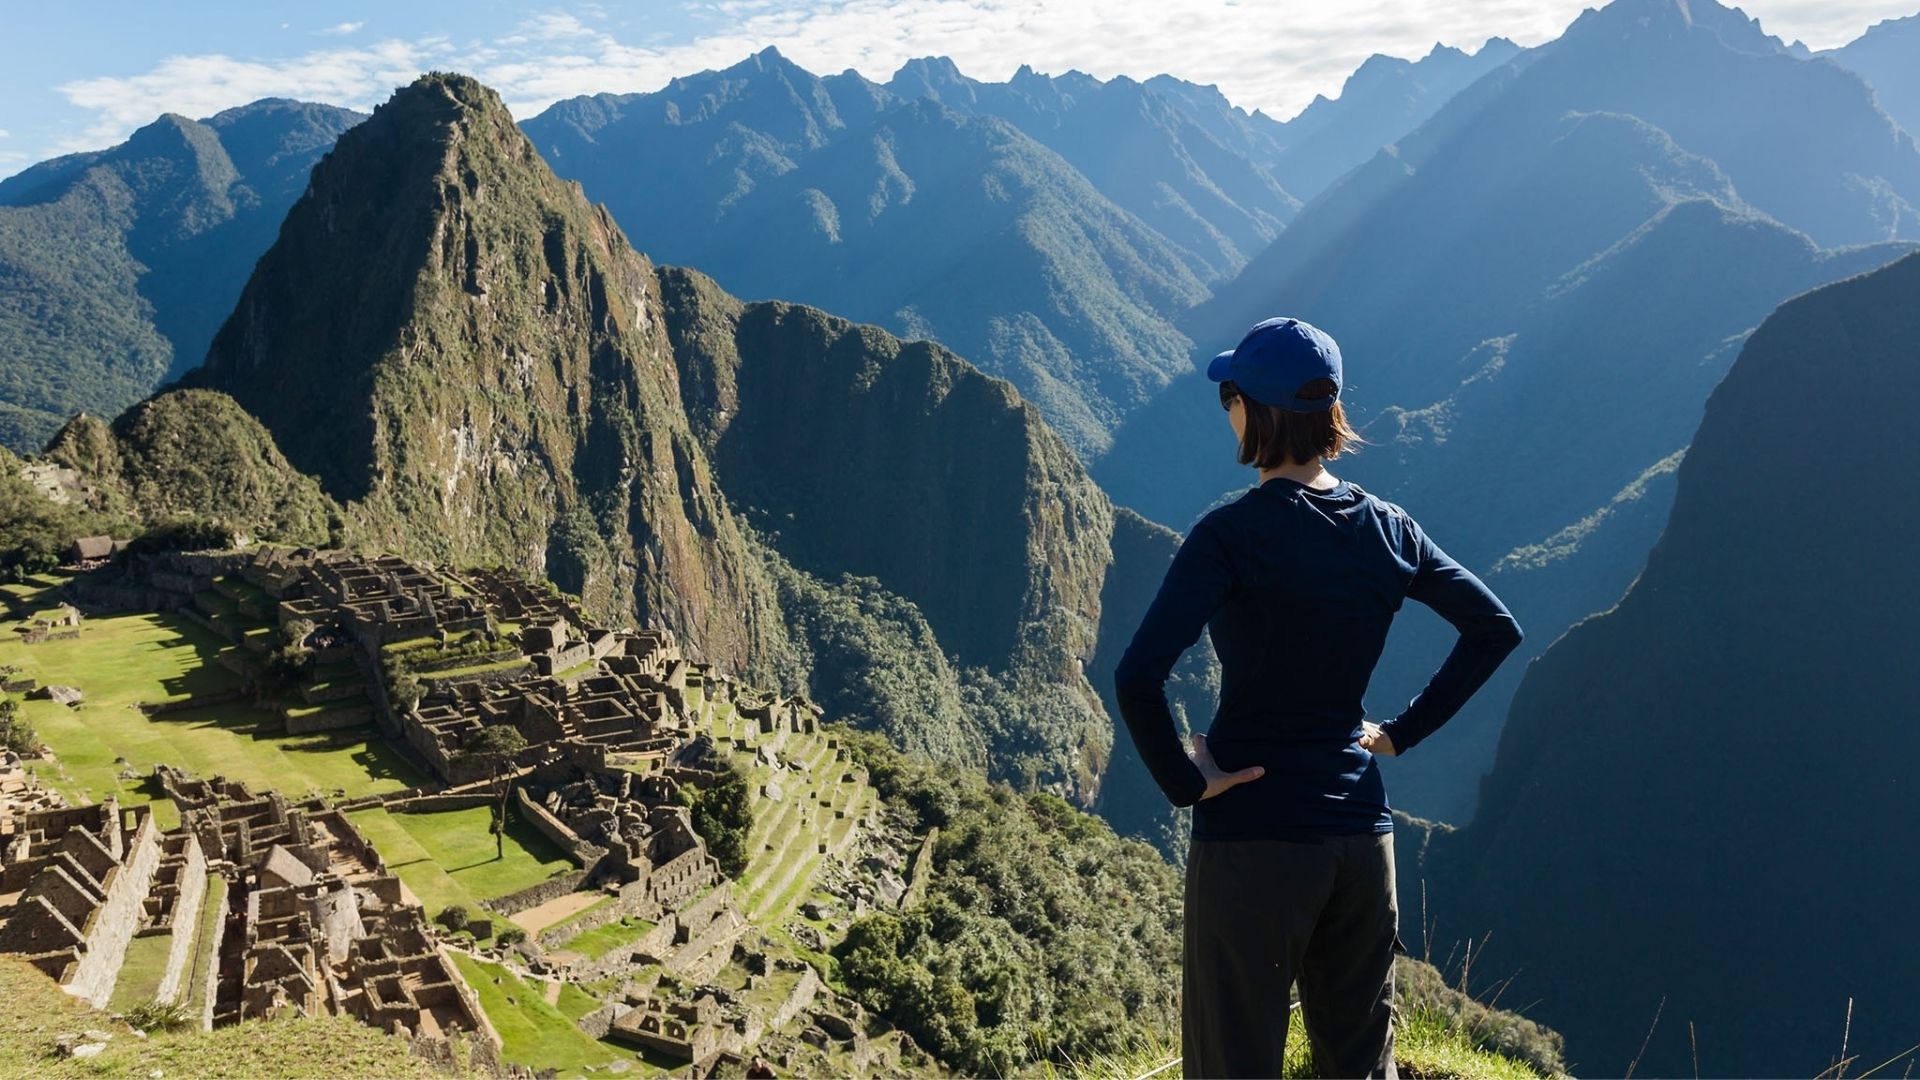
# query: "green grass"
[[205, 958], [157, 658], [1424, 1047], [576, 1003], [141, 971], [599, 942], [409, 645], [337, 705], [534, 1033], [447, 858], [478, 669]]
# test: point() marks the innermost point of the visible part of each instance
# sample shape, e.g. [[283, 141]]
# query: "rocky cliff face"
[[856, 453], [472, 357], [1703, 796]]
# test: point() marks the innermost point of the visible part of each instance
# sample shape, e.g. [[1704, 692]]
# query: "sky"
[[84, 76]]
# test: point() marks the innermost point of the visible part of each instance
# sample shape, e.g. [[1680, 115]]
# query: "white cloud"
[[5, 134], [1272, 56], [342, 29]]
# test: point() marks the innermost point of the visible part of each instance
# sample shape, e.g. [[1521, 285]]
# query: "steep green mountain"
[[116, 267], [1384, 99], [196, 454], [475, 366], [1702, 794], [1887, 56], [854, 453], [461, 348], [905, 214], [1534, 303], [1136, 147]]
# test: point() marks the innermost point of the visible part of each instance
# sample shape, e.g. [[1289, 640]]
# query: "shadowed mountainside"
[[1696, 791]]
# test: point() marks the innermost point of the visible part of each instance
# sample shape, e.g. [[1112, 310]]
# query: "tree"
[[723, 816], [495, 747], [15, 733]]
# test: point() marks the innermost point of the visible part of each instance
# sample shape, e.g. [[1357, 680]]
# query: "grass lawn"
[[488, 668], [119, 661], [533, 1032], [212, 907], [336, 705], [575, 1002], [447, 858], [141, 972], [599, 942]]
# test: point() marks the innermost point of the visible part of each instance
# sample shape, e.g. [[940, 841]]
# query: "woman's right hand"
[[1219, 780]]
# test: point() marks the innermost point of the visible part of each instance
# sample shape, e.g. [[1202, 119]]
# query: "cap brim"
[[1217, 369]]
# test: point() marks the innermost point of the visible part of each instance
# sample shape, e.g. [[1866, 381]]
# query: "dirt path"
[[540, 916]]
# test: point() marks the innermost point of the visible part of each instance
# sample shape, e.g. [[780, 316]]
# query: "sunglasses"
[[1229, 393]]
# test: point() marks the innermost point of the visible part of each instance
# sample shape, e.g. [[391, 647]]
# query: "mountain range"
[[117, 266], [449, 352], [1538, 280]]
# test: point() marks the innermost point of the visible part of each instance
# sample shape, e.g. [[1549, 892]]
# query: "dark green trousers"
[[1262, 914]]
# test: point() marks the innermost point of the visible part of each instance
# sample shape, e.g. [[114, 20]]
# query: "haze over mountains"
[[1704, 795]]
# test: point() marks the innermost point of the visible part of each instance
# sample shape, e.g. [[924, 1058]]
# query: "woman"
[[1290, 871]]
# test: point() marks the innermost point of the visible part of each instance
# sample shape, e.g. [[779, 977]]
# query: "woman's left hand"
[[1218, 779], [1376, 741]]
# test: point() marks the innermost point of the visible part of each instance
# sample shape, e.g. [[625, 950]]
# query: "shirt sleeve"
[[1197, 583], [1488, 633]]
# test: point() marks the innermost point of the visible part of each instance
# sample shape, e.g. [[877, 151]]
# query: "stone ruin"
[[314, 922], [637, 841], [375, 600], [74, 885]]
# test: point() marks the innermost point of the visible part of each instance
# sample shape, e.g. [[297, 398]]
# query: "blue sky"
[[82, 76]]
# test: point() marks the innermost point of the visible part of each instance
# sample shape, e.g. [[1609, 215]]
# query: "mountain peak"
[[169, 132], [933, 69], [1640, 18]]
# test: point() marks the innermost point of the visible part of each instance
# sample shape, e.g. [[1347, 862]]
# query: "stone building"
[[74, 885]]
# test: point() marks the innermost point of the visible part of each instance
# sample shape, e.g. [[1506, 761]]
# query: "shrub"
[[158, 1016], [512, 935], [453, 917]]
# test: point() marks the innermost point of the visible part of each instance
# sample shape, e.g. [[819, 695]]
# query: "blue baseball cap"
[[1276, 359]]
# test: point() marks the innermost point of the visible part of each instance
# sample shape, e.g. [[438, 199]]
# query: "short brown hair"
[[1274, 436]]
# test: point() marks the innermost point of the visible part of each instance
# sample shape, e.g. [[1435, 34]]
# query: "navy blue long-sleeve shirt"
[[1298, 588]]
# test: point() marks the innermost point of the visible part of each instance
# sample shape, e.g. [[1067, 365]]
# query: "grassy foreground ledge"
[[1439, 1034], [37, 1013]]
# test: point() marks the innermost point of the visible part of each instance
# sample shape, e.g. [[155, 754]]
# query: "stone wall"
[[430, 804], [185, 919], [801, 996], [583, 853], [113, 923], [533, 896]]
